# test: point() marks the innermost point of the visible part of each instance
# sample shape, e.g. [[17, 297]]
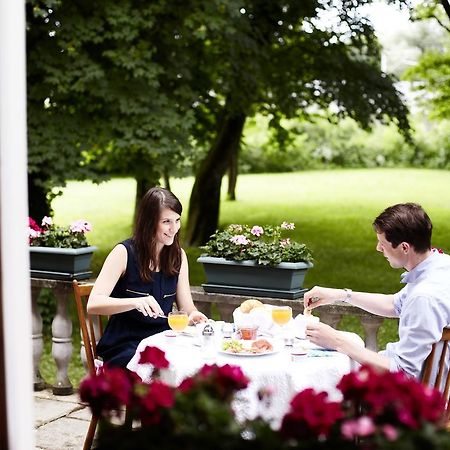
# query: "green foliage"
[[321, 144], [264, 244]]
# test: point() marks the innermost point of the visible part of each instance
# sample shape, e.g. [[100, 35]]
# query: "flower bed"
[[378, 411]]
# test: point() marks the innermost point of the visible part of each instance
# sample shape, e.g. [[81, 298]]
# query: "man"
[[422, 306]]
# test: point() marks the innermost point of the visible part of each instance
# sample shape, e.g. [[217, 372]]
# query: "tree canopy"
[[135, 87]]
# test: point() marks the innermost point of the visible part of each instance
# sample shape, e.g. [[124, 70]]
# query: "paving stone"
[[48, 410], [62, 434]]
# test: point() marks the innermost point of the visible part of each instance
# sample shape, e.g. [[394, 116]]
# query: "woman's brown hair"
[[145, 226]]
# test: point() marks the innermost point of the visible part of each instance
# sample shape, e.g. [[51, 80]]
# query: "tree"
[[283, 59], [431, 75], [100, 99]]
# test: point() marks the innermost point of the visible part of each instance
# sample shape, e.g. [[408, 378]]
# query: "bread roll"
[[248, 305]]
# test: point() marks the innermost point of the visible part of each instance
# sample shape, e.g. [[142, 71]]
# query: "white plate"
[[227, 352], [247, 345]]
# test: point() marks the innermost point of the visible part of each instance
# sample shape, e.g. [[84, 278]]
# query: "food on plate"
[[233, 346], [249, 304], [260, 346]]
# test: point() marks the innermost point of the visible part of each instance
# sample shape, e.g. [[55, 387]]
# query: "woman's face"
[[168, 226]]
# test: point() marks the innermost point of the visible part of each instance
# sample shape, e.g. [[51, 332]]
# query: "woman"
[[141, 278]]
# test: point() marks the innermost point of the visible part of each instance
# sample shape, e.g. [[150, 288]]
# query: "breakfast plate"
[[257, 347]]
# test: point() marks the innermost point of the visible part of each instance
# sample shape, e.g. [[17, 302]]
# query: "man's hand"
[[322, 334], [319, 296]]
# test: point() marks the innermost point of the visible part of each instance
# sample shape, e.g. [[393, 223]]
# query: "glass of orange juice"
[[281, 315], [178, 320]]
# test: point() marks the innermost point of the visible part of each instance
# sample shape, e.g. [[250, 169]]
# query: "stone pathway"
[[61, 422]]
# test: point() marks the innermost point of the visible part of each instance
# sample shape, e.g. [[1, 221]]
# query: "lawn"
[[333, 212]]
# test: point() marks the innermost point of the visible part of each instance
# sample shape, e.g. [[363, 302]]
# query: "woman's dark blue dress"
[[125, 330]]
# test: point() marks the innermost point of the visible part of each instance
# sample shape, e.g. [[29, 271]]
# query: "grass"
[[333, 212]]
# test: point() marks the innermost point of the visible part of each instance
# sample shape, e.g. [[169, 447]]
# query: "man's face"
[[397, 257]]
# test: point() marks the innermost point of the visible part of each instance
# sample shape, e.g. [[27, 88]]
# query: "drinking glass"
[[178, 321], [281, 315]]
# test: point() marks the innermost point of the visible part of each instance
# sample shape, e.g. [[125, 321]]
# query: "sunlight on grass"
[[333, 212]]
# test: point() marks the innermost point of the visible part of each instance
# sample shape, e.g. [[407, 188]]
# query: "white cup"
[[301, 321]]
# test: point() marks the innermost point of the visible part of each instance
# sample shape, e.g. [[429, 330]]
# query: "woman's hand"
[[148, 306], [197, 317]]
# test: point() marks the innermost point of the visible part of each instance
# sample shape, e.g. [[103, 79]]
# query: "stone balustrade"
[[224, 304]]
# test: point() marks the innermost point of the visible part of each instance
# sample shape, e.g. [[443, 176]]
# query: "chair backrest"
[[91, 326], [436, 369]]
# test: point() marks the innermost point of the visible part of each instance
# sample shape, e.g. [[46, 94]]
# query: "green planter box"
[[61, 263], [249, 278]]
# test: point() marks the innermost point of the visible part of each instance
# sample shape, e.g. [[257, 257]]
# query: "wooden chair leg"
[[90, 433]]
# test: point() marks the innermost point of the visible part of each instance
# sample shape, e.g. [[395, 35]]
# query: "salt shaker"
[[208, 342], [227, 330]]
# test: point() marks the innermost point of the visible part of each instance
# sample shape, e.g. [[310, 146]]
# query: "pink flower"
[[47, 221], [33, 225], [155, 356], [285, 242], [257, 230], [33, 233], [390, 432], [239, 239], [80, 226], [288, 226], [363, 426]]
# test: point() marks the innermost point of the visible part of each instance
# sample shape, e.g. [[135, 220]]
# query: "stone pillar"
[[371, 325], [62, 341], [38, 343], [330, 318]]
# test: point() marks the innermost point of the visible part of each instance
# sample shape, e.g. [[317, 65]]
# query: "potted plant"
[[256, 260], [61, 253], [379, 411]]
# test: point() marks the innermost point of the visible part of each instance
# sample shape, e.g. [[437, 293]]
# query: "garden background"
[[299, 111], [332, 210]]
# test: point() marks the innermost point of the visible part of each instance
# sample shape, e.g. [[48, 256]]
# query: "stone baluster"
[[62, 340], [371, 325], [38, 343]]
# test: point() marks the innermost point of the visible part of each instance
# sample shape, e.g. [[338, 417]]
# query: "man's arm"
[[326, 336], [380, 304]]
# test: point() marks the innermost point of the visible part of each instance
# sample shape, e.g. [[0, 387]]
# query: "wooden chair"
[[91, 330], [438, 361]]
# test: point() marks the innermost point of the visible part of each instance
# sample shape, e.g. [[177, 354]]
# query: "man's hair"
[[405, 222]]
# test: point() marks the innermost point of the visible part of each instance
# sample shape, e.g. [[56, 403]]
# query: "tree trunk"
[[166, 177], [204, 203], [232, 175], [38, 202], [143, 184]]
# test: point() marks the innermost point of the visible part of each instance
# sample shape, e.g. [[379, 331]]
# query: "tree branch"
[[446, 5]]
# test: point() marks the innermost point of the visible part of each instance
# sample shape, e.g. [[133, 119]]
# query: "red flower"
[[157, 397], [393, 398], [155, 356], [33, 225], [109, 390], [311, 416], [219, 381]]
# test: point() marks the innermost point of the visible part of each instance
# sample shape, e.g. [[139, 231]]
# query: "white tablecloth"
[[277, 372]]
